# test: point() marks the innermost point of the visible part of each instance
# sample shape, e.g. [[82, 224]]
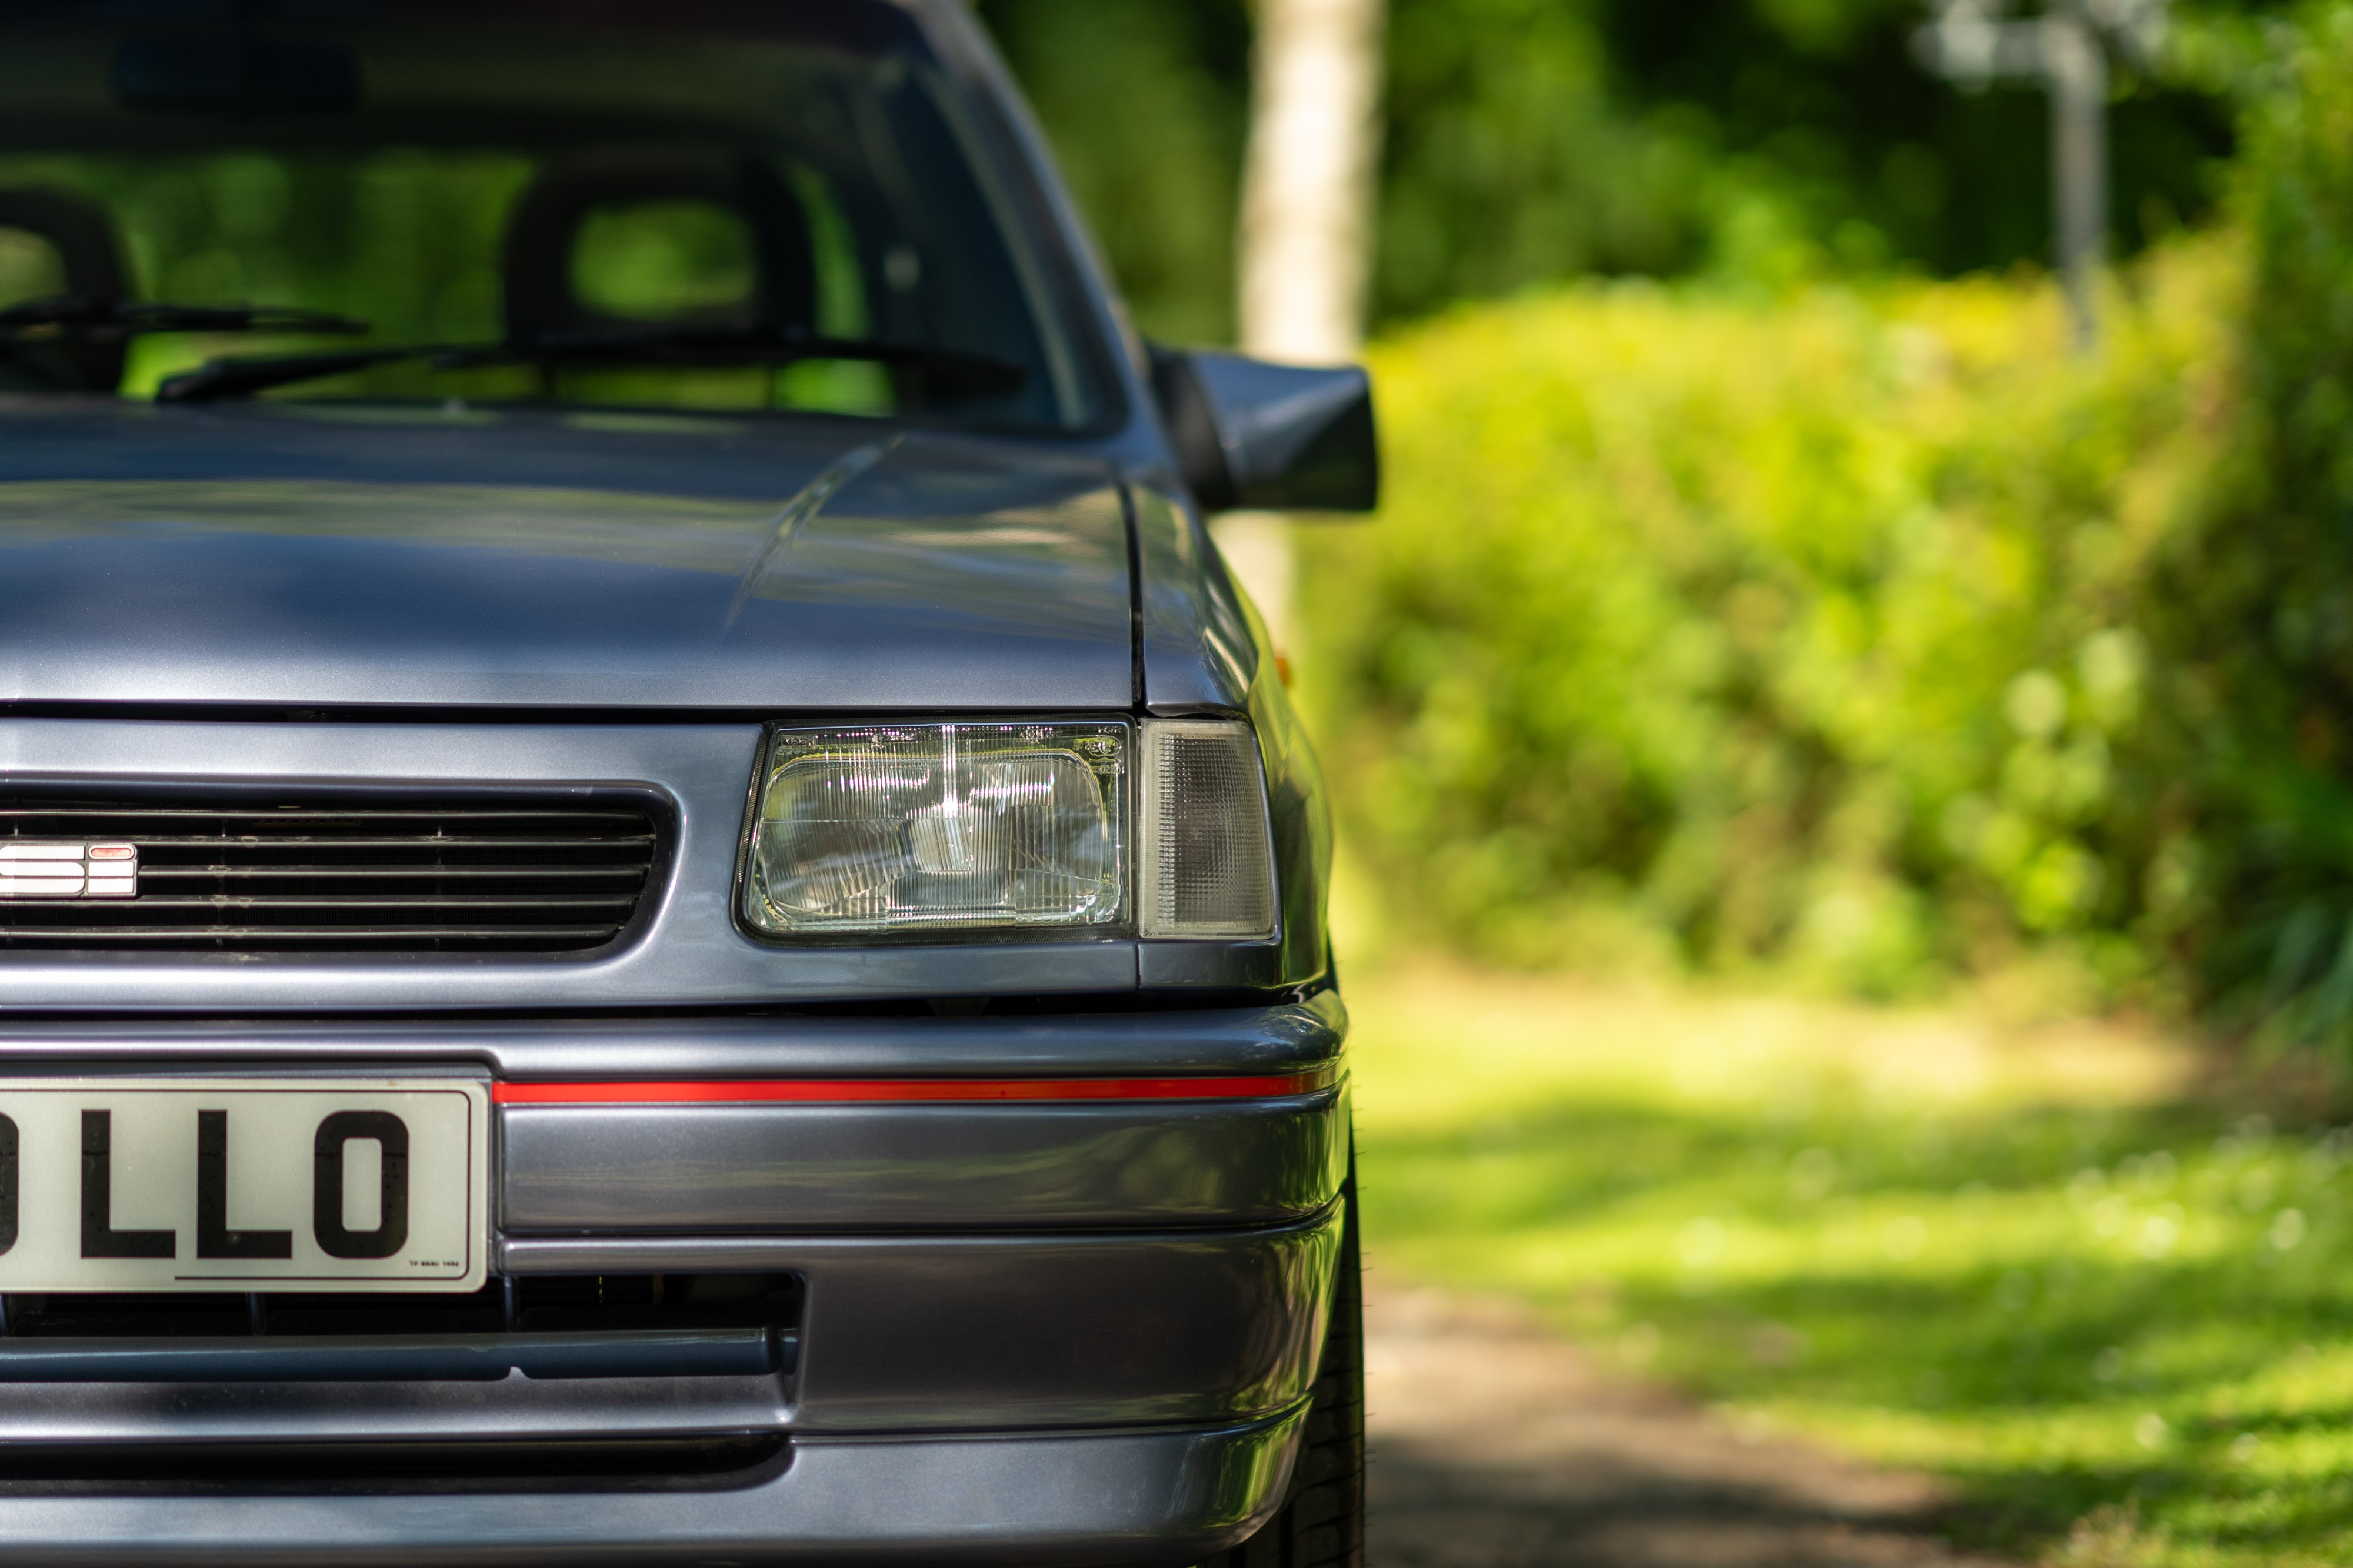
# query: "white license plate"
[[244, 1184]]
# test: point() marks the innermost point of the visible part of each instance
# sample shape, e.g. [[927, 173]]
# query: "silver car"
[[656, 903]]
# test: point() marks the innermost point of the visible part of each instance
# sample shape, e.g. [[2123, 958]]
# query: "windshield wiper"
[[948, 372], [243, 375], [86, 316]]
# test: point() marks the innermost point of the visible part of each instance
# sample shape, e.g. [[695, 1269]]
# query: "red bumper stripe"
[[848, 1091]]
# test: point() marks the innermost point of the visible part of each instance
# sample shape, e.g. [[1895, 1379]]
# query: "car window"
[[685, 203]]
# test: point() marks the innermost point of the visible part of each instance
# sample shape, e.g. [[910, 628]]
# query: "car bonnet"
[[336, 557]]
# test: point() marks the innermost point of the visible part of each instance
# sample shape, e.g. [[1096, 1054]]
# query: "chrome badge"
[[68, 870]]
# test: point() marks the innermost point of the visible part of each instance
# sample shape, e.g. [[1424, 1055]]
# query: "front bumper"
[[1142, 1495], [1033, 1331]]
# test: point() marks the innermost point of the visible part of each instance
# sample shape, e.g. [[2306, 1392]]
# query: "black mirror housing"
[[1281, 437]]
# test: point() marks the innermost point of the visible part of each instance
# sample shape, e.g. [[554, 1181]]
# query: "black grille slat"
[[405, 876], [584, 1303], [391, 901], [376, 872], [302, 841], [302, 814], [587, 1326], [382, 938]]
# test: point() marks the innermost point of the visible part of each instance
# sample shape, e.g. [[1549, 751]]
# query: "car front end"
[[588, 973]]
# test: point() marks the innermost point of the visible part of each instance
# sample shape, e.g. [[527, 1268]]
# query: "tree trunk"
[[1306, 225]]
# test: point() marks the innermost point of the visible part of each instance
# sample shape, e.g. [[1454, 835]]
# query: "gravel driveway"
[[1496, 1445]]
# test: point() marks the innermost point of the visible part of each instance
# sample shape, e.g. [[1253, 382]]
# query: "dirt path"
[[1496, 1445]]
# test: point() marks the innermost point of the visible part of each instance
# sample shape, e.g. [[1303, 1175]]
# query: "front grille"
[[314, 874]]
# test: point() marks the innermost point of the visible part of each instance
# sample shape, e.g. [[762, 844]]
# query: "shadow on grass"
[[1432, 1507], [2059, 1311]]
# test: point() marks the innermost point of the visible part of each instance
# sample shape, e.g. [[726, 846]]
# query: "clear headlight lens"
[[904, 827]]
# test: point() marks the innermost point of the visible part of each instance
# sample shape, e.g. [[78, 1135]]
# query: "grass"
[[2034, 1260]]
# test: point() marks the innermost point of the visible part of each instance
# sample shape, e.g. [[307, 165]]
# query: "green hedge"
[[1869, 632]]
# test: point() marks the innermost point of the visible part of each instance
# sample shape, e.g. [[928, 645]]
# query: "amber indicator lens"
[[945, 828]]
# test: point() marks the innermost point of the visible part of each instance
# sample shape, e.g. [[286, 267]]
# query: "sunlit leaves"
[[1802, 632]]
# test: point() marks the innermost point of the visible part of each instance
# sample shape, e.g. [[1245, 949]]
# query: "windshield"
[[695, 203]]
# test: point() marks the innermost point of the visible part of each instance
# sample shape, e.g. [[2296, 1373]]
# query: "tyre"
[[1322, 1523]]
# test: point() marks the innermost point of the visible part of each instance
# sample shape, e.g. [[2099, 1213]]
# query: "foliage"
[[1721, 629], [2038, 1262], [1529, 140], [1506, 160], [2256, 609], [1866, 630], [1148, 103], [1814, 117]]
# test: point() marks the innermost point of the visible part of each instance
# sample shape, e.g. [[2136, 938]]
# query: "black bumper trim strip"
[[422, 1358]]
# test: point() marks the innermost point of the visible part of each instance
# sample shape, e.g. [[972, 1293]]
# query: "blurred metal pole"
[[1305, 238], [2077, 72], [1972, 44]]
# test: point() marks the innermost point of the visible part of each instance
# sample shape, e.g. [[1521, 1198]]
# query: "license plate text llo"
[[242, 1184]]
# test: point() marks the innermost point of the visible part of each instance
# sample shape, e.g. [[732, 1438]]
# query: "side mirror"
[[1250, 434]]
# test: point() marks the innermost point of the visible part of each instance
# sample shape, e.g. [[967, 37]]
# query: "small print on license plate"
[[244, 1184]]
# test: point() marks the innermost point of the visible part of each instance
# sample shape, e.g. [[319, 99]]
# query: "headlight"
[[893, 828], [975, 829]]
